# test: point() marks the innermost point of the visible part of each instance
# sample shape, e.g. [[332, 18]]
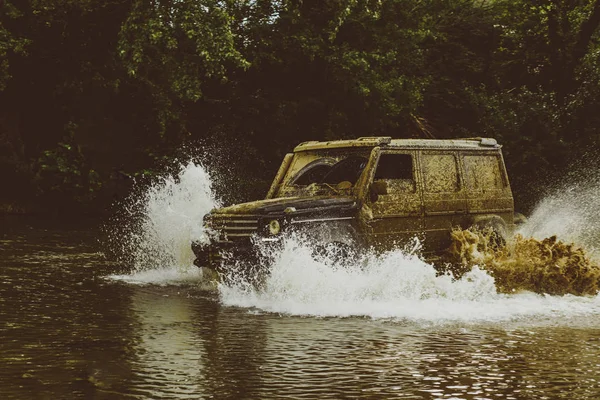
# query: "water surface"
[[71, 326]]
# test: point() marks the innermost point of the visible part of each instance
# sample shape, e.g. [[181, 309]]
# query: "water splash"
[[155, 230], [163, 221], [554, 252], [167, 276], [396, 285], [570, 212], [547, 266]]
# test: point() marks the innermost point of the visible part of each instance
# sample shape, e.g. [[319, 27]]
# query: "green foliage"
[[135, 80], [63, 171], [173, 46], [9, 43]]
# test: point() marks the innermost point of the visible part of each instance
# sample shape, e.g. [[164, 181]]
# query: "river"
[[71, 329], [76, 323]]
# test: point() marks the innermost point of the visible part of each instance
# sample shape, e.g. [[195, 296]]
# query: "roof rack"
[[473, 143], [488, 142], [379, 140], [482, 141]]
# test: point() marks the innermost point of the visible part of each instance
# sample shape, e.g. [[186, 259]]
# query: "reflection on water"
[[69, 331], [168, 357]]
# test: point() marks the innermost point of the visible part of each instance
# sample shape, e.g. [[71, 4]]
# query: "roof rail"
[[380, 140], [482, 141], [488, 142], [307, 142]]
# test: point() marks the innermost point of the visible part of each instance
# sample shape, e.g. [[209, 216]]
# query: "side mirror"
[[378, 188]]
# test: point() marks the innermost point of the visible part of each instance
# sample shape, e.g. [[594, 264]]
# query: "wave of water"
[[392, 285], [155, 230], [397, 284], [570, 213]]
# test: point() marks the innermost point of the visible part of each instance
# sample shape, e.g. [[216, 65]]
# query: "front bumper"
[[206, 255], [217, 255]]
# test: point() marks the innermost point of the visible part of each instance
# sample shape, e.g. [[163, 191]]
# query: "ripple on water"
[[393, 329], [70, 333]]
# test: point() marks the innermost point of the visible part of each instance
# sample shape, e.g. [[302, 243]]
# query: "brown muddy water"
[[74, 325]]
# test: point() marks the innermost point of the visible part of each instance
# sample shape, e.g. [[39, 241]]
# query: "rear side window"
[[440, 173], [483, 172]]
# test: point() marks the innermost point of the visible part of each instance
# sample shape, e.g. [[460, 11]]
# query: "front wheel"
[[335, 253]]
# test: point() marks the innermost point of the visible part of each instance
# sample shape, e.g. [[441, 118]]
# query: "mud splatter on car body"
[[372, 192]]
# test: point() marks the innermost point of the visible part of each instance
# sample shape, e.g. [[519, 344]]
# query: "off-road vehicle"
[[372, 192]]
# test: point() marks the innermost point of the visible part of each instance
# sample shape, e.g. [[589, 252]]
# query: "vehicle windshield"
[[324, 173]]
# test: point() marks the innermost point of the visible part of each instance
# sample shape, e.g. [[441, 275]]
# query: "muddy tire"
[[496, 239], [494, 231]]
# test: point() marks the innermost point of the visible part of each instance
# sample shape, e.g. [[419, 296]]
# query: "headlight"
[[274, 227]]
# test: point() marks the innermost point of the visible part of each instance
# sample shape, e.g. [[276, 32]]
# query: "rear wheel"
[[494, 233]]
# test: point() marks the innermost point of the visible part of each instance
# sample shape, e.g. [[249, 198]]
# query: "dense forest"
[[95, 93]]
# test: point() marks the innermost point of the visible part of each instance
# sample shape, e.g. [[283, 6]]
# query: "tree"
[[173, 46]]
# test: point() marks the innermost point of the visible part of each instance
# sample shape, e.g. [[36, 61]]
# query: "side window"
[[394, 166], [440, 173], [397, 169], [482, 172]]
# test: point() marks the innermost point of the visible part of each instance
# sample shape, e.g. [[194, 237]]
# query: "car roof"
[[475, 143]]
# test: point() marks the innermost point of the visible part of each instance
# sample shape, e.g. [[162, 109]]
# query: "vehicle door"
[[444, 198], [397, 211]]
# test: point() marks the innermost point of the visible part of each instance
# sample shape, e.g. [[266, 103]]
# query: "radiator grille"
[[234, 227]]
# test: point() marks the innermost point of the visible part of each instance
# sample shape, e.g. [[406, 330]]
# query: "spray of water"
[[154, 232], [397, 284], [547, 266], [570, 213]]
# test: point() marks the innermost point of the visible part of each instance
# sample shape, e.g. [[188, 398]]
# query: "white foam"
[[164, 221], [163, 276], [160, 226], [393, 285], [571, 213]]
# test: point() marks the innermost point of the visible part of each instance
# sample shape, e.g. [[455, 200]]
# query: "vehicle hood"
[[302, 205]]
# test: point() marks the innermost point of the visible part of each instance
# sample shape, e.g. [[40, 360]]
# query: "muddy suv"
[[373, 192]]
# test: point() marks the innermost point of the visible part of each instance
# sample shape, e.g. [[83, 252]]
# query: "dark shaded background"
[[95, 94]]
